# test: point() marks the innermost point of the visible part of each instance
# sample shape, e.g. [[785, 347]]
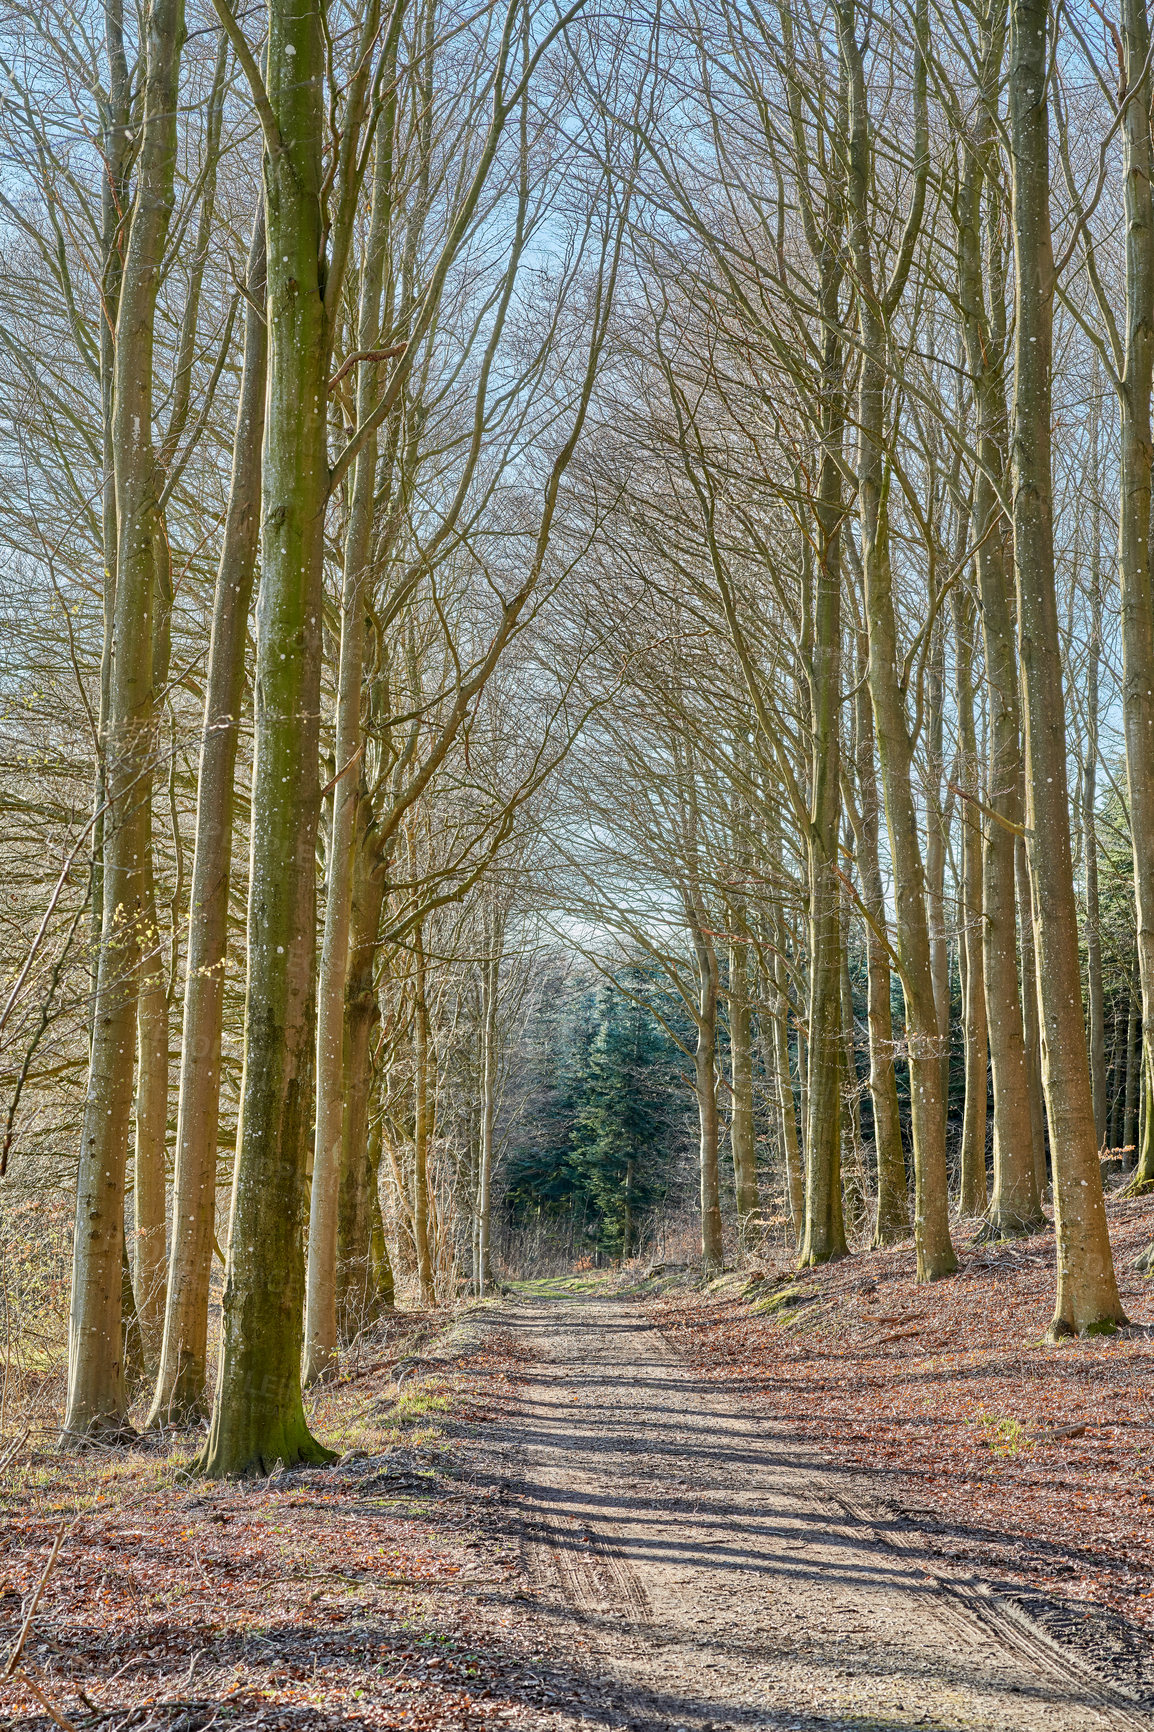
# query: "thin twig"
[[18, 1649], [53, 1712], [14, 1448]]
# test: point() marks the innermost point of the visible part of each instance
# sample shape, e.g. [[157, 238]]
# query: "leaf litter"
[[374, 1594], [1023, 1463]]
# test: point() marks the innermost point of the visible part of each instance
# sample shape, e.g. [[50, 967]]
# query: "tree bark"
[[321, 1328], [854, 1184], [936, 826], [115, 206], [786, 1100], [422, 1129], [935, 1253], [96, 1399], [1134, 572], [258, 1415], [972, 1195], [149, 1190], [1087, 1294], [1030, 1026], [705, 1086], [1133, 1069], [181, 1382], [490, 983], [1015, 1206], [741, 1131], [1094, 990], [360, 1270], [892, 1221], [824, 1237], [152, 1036]]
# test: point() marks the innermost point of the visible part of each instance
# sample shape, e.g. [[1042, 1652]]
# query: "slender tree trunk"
[[380, 1263], [1087, 1294], [936, 853], [149, 1177], [258, 1415], [490, 984], [935, 1253], [1094, 991], [1031, 1029], [705, 1085], [422, 1129], [152, 1035], [786, 1101], [824, 1224], [741, 1132], [1015, 1206], [324, 1213], [114, 218], [1133, 1069], [1118, 1073], [358, 1294], [96, 1390], [854, 1189], [180, 1387], [1134, 566], [972, 1198], [893, 1211]]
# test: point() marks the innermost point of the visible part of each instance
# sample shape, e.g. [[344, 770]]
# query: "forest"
[[577, 674]]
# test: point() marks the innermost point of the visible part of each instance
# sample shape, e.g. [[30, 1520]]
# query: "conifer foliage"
[[598, 1153]]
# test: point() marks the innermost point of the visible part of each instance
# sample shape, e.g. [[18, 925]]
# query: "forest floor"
[[607, 1502], [1026, 1464]]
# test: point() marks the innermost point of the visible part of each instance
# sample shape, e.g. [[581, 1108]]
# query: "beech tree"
[[632, 445]]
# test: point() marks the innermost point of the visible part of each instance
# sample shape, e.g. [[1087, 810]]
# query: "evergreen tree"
[[617, 1140], [608, 1106]]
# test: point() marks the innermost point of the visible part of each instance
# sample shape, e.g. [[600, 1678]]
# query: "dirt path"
[[706, 1571]]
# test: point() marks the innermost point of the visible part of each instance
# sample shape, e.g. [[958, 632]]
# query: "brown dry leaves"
[[948, 1394], [311, 1598]]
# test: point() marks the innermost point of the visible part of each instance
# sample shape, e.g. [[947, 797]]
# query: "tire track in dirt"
[[974, 1603], [709, 1572]]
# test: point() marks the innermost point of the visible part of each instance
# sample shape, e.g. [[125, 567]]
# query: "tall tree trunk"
[[258, 1415], [854, 1189], [936, 829], [892, 1221], [705, 1086], [824, 1223], [741, 1133], [380, 1262], [180, 1387], [1087, 1293], [358, 1295], [778, 1032], [324, 1213], [935, 1253], [490, 983], [972, 1197], [1133, 1069], [1094, 991], [115, 205], [149, 1195], [422, 1129], [1031, 1028], [1015, 1206], [152, 1035], [96, 1391], [1118, 1073], [1134, 568]]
